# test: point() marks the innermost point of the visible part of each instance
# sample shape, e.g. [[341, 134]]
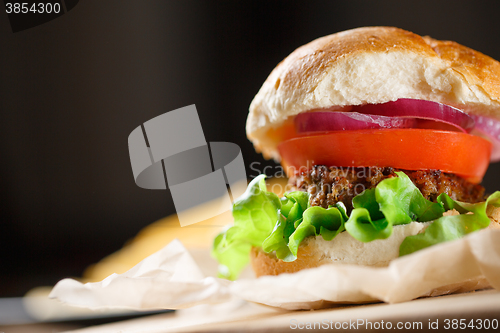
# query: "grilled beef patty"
[[329, 185]]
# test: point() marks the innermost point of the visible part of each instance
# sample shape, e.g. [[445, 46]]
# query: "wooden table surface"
[[453, 311]]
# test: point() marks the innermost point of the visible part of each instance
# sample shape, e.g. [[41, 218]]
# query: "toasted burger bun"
[[344, 249], [372, 65]]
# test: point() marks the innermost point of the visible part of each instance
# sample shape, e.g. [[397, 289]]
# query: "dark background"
[[74, 88]]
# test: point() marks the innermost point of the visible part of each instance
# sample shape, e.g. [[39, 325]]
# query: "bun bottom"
[[344, 249]]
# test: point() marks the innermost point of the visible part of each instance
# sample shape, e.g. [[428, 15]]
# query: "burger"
[[385, 136]]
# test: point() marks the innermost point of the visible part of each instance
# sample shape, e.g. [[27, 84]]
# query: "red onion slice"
[[489, 129], [323, 121], [421, 109]]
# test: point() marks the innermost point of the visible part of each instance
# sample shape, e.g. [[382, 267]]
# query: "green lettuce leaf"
[[394, 201], [317, 221], [401, 201], [448, 228], [368, 200], [367, 222], [361, 226], [449, 204], [278, 241], [286, 225], [232, 256], [261, 219], [255, 215]]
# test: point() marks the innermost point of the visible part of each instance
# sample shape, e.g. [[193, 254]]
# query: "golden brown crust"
[[266, 264], [372, 65], [477, 68], [309, 62]]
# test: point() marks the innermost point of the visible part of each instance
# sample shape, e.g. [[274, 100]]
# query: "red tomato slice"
[[410, 149]]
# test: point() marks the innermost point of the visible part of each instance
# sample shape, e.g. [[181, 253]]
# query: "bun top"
[[368, 66]]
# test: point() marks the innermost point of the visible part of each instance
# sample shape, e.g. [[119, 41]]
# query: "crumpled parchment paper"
[[171, 279]]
